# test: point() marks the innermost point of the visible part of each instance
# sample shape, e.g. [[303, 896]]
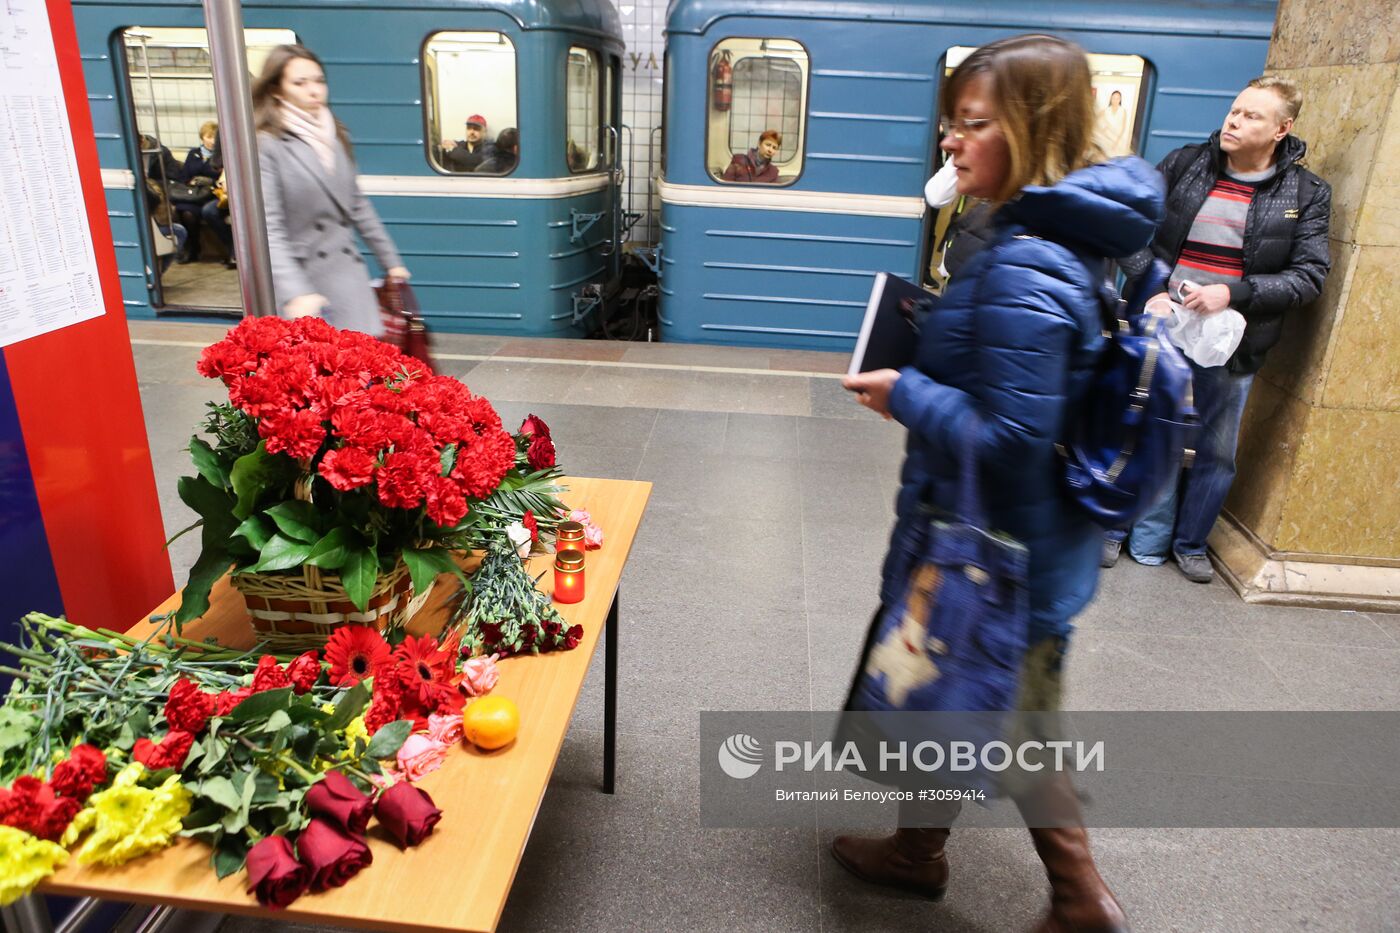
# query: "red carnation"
[[170, 752], [85, 769], [299, 434], [227, 700], [541, 453], [531, 525], [399, 486], [534, 426], [354, 653], [31, 805], [269, 675], [303, 671], [446, 504], [573, 636], [188, 709], [347, 468], [388, 701]]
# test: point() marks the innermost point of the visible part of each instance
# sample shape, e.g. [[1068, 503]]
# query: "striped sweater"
[[1214, 249]]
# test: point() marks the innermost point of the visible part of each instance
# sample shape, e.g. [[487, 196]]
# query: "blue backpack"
[[1137, 427]]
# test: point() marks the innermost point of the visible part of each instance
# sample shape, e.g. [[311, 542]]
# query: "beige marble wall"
[[1319, 459]]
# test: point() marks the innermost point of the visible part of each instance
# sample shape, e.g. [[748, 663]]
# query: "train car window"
[[757, 111], [170, 84], [585, 110], [470, 103]]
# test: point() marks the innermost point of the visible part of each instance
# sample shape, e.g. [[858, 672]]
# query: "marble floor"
[[786, 484]]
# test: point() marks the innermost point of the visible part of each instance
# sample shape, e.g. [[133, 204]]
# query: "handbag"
[[954, 639], [188, 194], [1137, 426], [403, 321]]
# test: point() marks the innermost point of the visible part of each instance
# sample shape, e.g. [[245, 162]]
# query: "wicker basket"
[[299, 611]]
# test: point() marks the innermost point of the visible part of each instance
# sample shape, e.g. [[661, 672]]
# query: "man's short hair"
[[773, 135], [1286, 90]]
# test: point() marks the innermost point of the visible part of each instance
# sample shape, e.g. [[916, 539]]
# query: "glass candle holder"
[[569, 537], [568, 576]]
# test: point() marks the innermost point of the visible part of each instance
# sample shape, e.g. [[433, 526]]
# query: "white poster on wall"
[[48, 272]]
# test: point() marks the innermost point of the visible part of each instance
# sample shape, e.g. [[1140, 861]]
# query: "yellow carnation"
[[129, 820], [24, 862]]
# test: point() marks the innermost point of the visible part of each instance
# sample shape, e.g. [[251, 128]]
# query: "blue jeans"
[[181, 235], [1182, 520]]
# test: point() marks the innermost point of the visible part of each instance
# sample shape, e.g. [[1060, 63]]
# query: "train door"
[[181, 195], [1121, 85]]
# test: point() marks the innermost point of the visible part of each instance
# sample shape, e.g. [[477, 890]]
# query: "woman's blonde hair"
[[207, 128], [1043, 93], [267, 118]]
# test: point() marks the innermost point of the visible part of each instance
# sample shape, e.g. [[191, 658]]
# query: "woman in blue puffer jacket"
[[1008, 353]]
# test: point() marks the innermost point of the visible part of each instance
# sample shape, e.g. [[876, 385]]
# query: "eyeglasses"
[[961, 129]]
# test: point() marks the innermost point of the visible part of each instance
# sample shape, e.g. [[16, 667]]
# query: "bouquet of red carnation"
[[337, 451]]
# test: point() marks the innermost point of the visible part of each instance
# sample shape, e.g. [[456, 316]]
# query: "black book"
[[889, 335]]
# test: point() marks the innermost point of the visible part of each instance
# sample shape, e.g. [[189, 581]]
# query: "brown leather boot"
[[911, 860], [1080, 901]]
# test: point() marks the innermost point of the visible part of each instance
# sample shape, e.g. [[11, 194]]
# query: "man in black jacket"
[[1246, 228]]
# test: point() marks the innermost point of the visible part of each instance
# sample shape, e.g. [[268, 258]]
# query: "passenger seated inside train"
[[578, 156], [504, 157], [466, 155], [201, 164], [757, 165]]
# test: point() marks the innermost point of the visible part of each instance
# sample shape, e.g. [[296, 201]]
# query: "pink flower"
[[421, 755], [479, 675], [446, 729], [592, 537], [580, 516]]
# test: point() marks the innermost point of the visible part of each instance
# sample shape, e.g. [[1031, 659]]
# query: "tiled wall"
[[643, 29], [183, 90]]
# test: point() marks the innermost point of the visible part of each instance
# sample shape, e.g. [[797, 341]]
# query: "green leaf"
[[351, 704], [215, 750], [255, 531], [262, 704], [389, 739], [229, 855], [448, 458], [331, 551], [208, 463], [212, 564], [253, 474], [296, 519], [211, 503], [221, 791], [425, 565], [277, 721], [265, 789], [280, 553], [358, 574]]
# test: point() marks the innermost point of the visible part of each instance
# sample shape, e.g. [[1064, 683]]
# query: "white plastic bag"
[[1207, 339]]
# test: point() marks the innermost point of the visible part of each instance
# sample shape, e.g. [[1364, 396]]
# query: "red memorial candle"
[[568, 576], [569, 537]]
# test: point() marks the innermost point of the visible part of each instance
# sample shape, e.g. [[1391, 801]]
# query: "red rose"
[[85, 769], [338, 800], [303, 671], [541, 453], [274, 874], [170, 752], [446, 504], [533, 426], [188, 709], [226, 701], [407, 812], [333, 856], [347, 468], [269, 675]]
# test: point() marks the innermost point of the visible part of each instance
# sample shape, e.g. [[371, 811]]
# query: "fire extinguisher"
[[723, 73]]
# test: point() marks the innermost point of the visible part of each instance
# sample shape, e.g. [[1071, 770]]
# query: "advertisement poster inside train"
[[48, 272]]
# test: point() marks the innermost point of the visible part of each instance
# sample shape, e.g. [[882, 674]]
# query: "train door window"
[[757, 111], [170, 84], [584, 119], [470, 103]]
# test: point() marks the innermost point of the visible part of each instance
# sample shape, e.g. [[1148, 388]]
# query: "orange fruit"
[[491, 722]]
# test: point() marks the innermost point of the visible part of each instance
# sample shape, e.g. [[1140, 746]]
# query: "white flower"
[[520, 537]]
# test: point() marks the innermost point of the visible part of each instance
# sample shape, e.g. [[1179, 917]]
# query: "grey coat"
[[311, 219]]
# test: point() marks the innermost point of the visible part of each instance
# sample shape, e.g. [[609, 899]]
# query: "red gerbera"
[[423, 669], [355, 652]]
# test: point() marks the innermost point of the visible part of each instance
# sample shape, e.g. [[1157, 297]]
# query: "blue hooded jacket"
[[1009, 351]]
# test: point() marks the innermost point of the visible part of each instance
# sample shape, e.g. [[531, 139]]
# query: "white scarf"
[[316, 130]]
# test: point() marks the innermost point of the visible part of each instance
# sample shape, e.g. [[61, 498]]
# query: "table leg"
[[610, 697], [29, 914]]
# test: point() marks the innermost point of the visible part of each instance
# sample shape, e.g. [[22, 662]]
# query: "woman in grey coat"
[[313, 201]]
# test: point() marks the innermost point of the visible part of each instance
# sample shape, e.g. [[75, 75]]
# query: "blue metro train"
[[844, 90]]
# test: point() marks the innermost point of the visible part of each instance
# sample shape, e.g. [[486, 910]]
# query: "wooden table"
[[459, 878]]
